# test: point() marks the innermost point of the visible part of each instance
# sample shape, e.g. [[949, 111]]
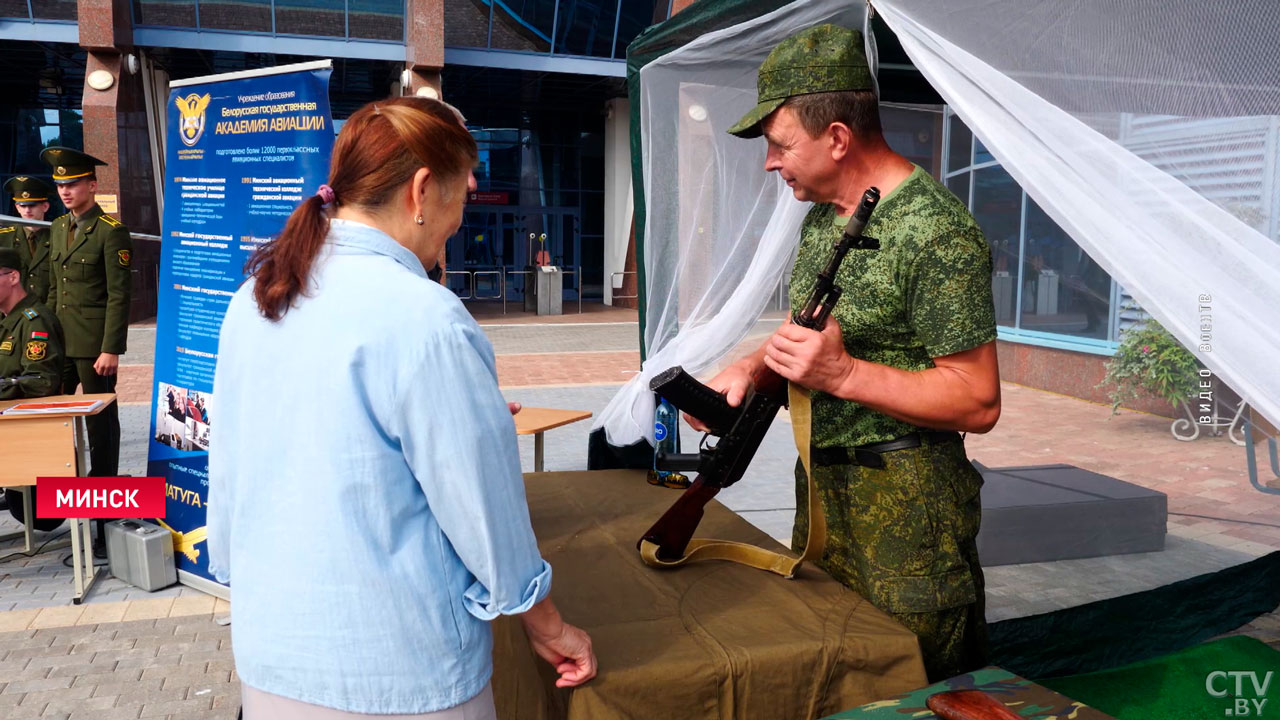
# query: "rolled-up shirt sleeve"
[[459, 440], [222, 464]]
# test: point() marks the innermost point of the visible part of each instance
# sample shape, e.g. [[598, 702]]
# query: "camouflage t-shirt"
[[925, 293]]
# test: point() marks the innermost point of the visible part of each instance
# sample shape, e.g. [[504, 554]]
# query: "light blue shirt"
[[365, 496]]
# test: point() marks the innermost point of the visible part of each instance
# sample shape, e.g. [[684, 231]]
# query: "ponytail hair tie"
[[326, 194]]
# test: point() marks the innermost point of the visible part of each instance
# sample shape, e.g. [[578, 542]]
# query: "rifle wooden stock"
[[741, 431], [674, 529], [969, 705]]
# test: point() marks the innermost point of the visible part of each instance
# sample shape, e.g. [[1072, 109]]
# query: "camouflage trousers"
[[905, 538]]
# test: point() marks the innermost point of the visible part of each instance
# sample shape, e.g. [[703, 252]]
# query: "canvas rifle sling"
[[757, 557]]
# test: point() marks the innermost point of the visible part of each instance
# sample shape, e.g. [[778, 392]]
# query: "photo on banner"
[[244, 149]]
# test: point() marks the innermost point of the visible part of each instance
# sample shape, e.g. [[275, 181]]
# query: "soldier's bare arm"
[[962, 391]]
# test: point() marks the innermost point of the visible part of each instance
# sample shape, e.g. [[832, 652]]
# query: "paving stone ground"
[[131, 654]]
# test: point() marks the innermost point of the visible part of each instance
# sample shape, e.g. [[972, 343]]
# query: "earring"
[[418, 219]]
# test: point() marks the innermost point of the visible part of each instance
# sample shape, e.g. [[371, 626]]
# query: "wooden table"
[[50, 445], [535, 421]]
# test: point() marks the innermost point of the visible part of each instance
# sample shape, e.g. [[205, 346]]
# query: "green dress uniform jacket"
[[30, 344], [90, 282], [34, 249]]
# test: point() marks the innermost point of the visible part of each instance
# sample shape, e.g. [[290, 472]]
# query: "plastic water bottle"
[[666, 437]]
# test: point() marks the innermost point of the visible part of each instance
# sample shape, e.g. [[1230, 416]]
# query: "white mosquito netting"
[[1149, 131]]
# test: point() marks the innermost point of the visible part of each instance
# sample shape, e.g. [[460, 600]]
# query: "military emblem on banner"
[[124, 257], [191, 110], [36, 349]]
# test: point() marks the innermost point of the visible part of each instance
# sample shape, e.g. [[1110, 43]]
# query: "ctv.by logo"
[[1219, 684]]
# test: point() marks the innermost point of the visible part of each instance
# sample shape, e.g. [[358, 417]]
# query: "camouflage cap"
[[28, 190], [826, 58], [69, 164], [10, 259]]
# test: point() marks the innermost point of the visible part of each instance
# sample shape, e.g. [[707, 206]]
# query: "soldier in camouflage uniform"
[[31, 196], [908, 363]]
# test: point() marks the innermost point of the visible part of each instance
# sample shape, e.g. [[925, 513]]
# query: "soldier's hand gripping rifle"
[[740, 429]]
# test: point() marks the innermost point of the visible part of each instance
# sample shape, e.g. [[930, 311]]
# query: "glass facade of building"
[[42, 87], [39, 10], [1047, 289], [541, 143], [349, 19], [589, 28]]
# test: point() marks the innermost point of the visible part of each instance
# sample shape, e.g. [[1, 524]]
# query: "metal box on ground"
[[141, 554], [549, 281]]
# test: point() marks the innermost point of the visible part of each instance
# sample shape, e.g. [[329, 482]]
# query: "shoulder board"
[[110, 220], [63, 215], [9, 228], [31, 313]]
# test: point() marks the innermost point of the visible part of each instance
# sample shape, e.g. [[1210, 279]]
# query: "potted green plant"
[[1151, 361]]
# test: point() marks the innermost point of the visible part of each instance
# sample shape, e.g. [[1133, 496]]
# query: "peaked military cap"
[[10, 259], [826, 58], [28, 190], [69, 165]]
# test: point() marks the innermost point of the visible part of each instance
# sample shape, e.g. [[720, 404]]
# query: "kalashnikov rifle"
[[740, 429]]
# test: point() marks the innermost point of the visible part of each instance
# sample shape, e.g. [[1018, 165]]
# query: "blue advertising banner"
[[243, 150]]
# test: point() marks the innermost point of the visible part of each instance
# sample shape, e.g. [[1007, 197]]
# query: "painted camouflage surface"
[[1027, 699]]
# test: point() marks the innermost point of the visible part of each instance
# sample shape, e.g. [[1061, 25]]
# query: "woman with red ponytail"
[[365, 497]]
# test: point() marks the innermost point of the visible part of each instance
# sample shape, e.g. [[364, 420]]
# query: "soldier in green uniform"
[[908, 363], [89, 286], [31, 196], [30, 351]]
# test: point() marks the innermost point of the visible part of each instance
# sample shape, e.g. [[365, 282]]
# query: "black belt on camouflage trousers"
[[872, 455]]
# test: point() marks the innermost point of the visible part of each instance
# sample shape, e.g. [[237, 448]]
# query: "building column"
[[424, 51], [618, 205], [115, 115]]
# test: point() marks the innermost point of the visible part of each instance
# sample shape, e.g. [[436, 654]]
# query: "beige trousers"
[[259, 705]]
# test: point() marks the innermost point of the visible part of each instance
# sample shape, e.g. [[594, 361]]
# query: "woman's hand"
[[566, 647]]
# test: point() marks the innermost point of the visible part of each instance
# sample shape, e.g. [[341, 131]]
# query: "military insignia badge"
[[6, 346], [31, 313], [191, 110], [26, 194], [60, 170], [124, 257], [36, 349], [39, 335]]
